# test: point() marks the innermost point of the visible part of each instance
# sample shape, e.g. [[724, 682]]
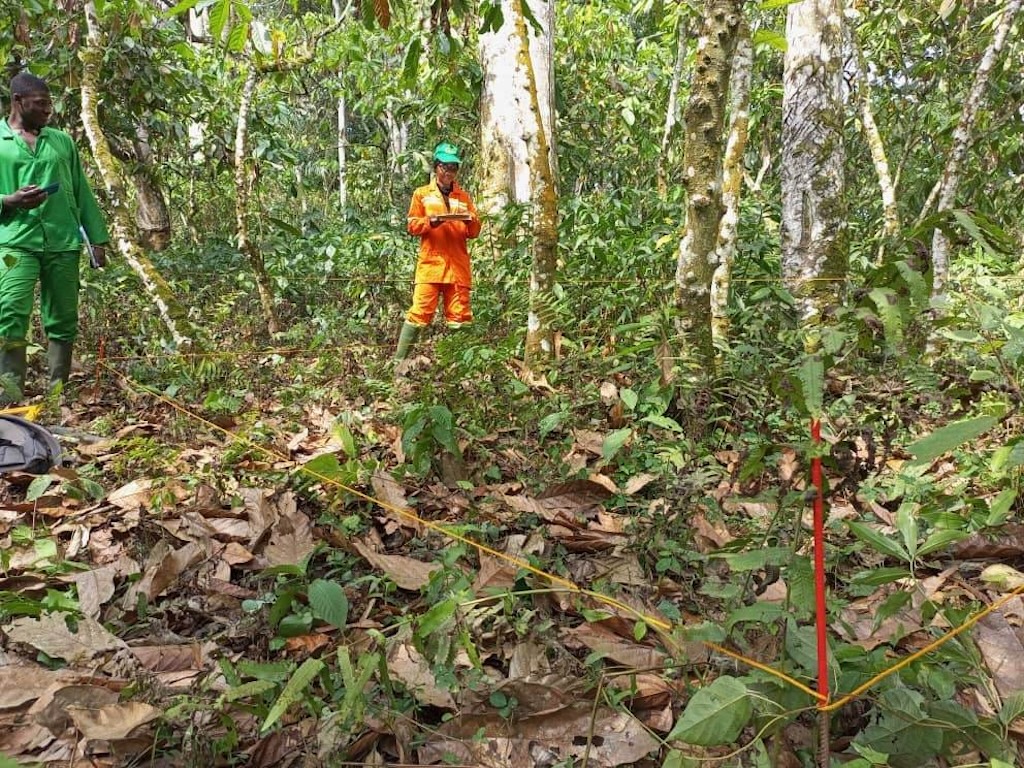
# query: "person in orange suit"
[[442, 214]]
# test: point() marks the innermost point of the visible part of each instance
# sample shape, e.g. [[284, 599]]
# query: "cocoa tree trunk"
[[732, 182], [540, 324], [170, 310], [242, 189], [704, 123]]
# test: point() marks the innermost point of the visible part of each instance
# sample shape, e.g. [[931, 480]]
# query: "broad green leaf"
[[613, 442], [38, 487], [272, 671], [876, 577], [247, 690], [878, 542], [906, 524], [770, 37], [182, 7], [219, 13], [293, 691], [629, 398], [756, 558], [940, 539], [963, 335], [715, 715], [771, 5], [411, 66], [295, 625], [949, 437], [664, 422], [550, 423], [324, 467], [436, 617], [1013, 708], [329, 603], [812, 382], [999, 509]]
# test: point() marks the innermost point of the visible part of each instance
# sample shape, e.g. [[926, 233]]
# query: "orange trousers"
[[425, 297]]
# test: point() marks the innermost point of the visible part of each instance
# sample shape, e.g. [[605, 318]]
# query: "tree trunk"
[[540, 324], [672, 110], [339, 15], [732, 182], [814, 247], [961, 139], [508, 126], [242, 189], [171, 312], [704, 123], [873, 137], [153, 217]]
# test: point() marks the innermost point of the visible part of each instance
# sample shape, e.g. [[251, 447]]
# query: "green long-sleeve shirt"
[[53, 226]]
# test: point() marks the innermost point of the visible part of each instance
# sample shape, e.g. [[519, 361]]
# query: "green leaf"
[[293, 691], [715, 715], [324, 467], [876, 577], [886, 302], [999, 508], [295, 625], [238, 37], [664, 422], [329, 603], [411, 65], [878, 542], [550, 423], [219, 13], [1013, 708], [629, 398], [940, 539], [906, 524], [771, 38], [247, 690], [812, 382], [38, 487], [949, 437], [436, 617], [182, 7], [613, 442]]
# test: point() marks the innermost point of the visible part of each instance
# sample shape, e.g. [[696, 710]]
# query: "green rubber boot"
[[13, 365], [58, 355], [410, 333]]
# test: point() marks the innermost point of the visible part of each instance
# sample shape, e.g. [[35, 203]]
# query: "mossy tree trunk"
[[814, 228], [732, 182], [170, 310], [243, 188], [704, 123], [540, 324], [950, 181]]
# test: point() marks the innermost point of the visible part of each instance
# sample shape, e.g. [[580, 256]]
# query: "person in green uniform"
[[46, 209]]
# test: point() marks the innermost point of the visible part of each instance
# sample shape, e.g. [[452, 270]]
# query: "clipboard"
[[454, 217]]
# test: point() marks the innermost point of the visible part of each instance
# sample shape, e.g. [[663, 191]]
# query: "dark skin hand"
[[25, 198]]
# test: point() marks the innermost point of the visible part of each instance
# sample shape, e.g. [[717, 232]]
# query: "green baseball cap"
[[447, 153]]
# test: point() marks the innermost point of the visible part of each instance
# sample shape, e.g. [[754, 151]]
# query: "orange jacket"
[[444, 257]]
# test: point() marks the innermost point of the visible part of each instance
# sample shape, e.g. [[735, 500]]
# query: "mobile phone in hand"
[[50, 189]]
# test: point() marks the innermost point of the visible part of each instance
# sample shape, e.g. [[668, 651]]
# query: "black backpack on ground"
[[26, 447]]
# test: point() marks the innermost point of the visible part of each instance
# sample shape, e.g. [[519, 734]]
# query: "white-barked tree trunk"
[[814, 229]]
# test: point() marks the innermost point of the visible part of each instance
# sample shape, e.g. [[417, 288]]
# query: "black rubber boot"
[[58, 355], [13, 365]]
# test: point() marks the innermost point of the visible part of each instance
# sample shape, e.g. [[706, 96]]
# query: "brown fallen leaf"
[[134, 495], [95, 588], [406, 665], [171, 658], [1002, 648], [112, 722], [22, 684], [163, 567], [56, 715], [408, 573], [617, 739], [391, 492], [291, 538], [50, 634], [617, 648], [638, 483]]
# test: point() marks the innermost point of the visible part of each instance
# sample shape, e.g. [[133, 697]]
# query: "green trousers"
[[57, 275]]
